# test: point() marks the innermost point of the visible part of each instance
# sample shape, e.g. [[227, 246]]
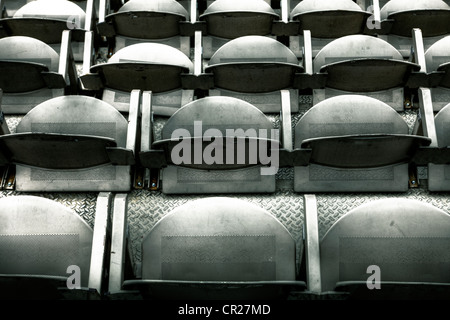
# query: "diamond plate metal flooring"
[[145, 208]]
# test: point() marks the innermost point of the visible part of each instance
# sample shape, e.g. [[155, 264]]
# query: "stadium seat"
[[326, 20], [10, 7], [212, 248], [399, 17], [143, 66], [244, 160], [49, 252], [32, 72], [45, 20], [226, 20], [138, 21], [390, 249], [359, 64], [74, 143], [251, 68], [358, 144]]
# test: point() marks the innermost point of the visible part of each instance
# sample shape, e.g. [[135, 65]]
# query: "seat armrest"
[[312, 248], [100, 241], [90, 16], [118, 243], [149, 158], [67, 67], [426, 115], [3, 125]]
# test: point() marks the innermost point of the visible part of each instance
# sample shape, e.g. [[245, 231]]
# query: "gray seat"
[[205, 148], [143, 66], [399, 17], [146, 21], [430, 16], [326, 20], [253, 17], [330, 19], [216, 248], [73, 143], [45, 20], [10, 7], [49, 252], [226, 20], [357, 144], [364, 65], [396, 249], [248, 58], [32, 72], [254, 69]]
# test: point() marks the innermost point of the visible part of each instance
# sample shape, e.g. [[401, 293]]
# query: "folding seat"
[[399, 17], [46, 19], [251, 68], [143, 66], [326, 20], [10, 7], [32, 72], [137, 21], [356, 144], [50, 252], [211, 248], [74, 143], [225, 20], [205, 147], [358, 64], [391, 249]]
